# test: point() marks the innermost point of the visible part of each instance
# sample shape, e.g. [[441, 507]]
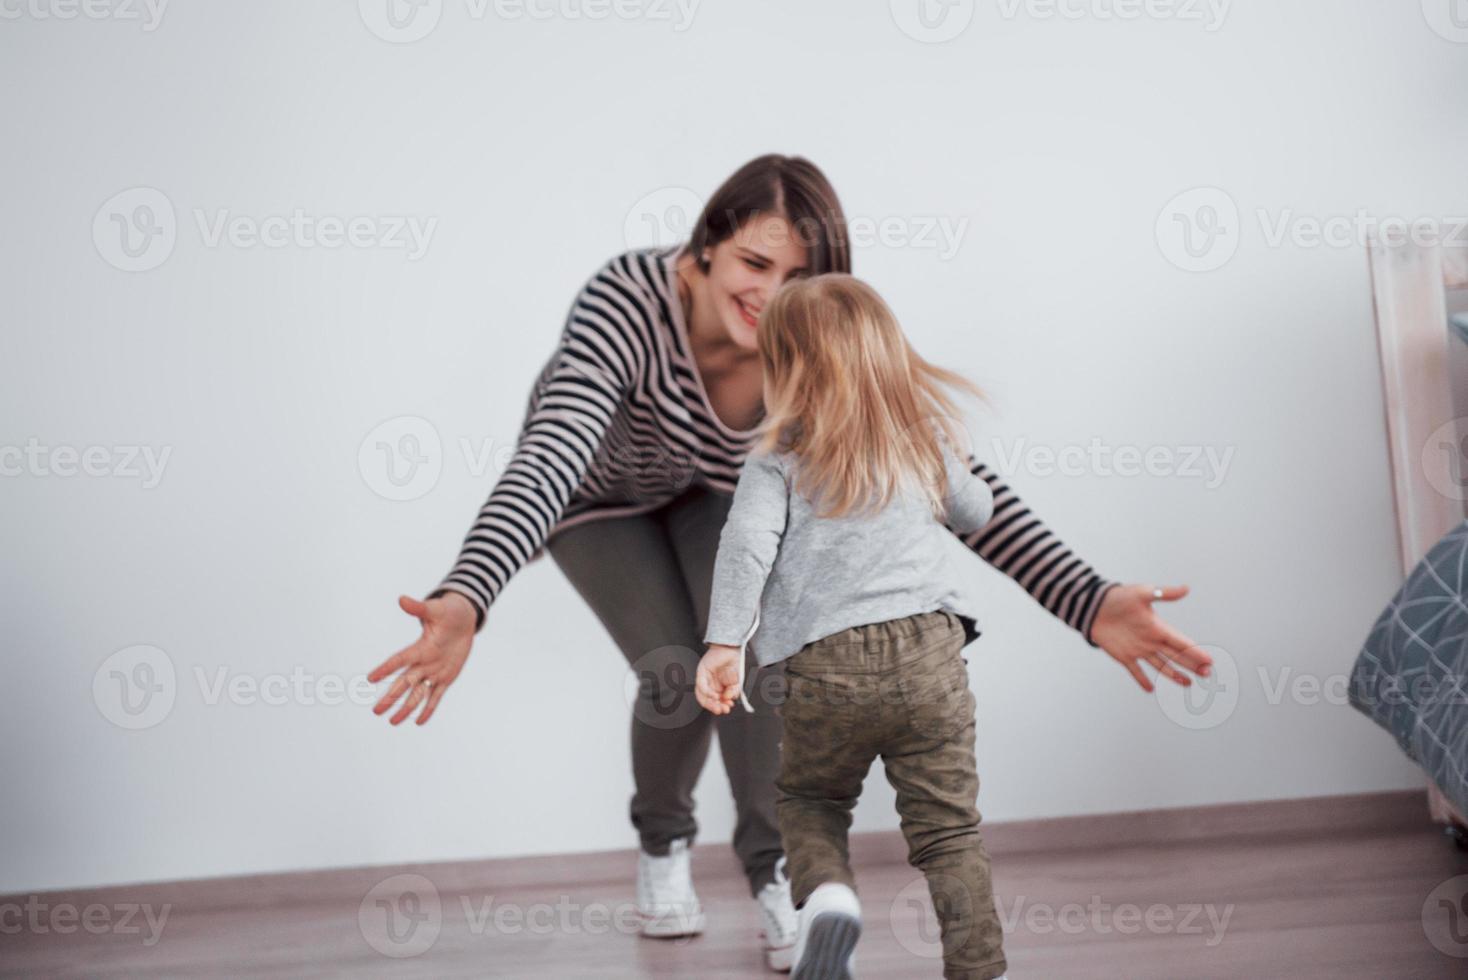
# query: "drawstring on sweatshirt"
[[742, 644]]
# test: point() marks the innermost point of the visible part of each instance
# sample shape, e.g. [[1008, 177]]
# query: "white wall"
[[264, 550]]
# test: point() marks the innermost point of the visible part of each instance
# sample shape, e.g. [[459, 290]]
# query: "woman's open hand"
[[431, 663], [1128, 629]]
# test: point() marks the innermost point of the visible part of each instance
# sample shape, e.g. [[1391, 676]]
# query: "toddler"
[[841, 539]]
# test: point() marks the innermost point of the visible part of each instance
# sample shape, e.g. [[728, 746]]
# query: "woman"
[[634, 435]]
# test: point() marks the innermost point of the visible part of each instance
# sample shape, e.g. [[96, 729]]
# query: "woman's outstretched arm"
[[1113, 616], [578, 392], [1019, 544]]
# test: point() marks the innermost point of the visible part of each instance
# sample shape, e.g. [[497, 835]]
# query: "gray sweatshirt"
[[784, 577]]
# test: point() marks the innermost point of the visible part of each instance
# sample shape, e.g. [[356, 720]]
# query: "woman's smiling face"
[[746, 269]]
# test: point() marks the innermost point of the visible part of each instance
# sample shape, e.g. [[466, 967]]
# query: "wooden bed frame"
[[1415, 289]]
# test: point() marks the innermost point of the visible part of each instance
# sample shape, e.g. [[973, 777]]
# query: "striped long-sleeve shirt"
[[619, 423]]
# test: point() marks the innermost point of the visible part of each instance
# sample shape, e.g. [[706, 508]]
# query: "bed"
[[1408, 677]]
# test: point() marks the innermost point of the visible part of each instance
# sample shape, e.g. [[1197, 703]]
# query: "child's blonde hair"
[[847, 393]]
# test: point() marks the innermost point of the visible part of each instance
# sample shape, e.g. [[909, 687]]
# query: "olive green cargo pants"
[[896, 690]]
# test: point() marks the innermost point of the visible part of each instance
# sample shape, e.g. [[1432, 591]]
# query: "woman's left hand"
[[1128, 629]]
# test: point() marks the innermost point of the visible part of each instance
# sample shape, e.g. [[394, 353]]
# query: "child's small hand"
[[717, 685]]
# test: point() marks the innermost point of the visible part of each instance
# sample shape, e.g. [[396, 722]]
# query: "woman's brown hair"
[[791, 187]]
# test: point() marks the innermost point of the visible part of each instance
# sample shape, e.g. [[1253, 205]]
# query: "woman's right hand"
[[430, 664]]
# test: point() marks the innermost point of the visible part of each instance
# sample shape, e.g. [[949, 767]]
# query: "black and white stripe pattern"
[[1017, 543], [618, 423]]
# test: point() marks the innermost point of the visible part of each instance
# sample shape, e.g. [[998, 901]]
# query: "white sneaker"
[[780, 921], [830, 925], [665, 896]]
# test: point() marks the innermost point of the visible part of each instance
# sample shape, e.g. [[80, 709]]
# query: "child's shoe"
[[830, 924], [665, 896], [781, 922]]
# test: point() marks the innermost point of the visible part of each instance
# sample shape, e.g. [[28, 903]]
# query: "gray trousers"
[[648, 578]]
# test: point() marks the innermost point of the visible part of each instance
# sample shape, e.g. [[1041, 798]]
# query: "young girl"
[[841, 538], [836, 539]]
